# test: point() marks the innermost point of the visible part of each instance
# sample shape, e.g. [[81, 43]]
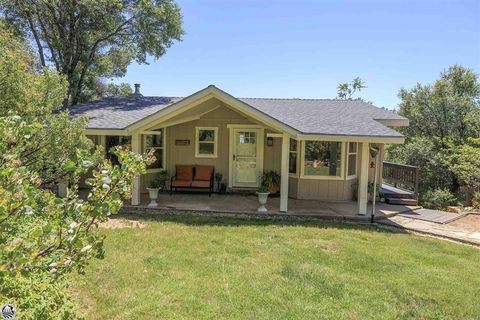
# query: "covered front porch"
[[248, 204]]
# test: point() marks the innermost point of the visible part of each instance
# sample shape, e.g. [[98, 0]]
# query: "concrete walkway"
[[430, 215], [436, 229]]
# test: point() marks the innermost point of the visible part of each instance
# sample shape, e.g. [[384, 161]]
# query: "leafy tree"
[[103, 89], [347, 90], [443, 116], [465, 163], [85, 39], [43, 237]]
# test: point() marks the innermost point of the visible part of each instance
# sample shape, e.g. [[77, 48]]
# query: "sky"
[[304, 49]]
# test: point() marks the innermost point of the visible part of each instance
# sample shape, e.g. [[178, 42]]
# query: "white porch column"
[[136, 147], [381, 158], [284, 173], [363, 178]]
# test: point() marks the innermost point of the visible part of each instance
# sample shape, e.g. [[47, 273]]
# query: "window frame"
[[214, 142], [348, 154], [294, 174], [313, 177], [164, 147]]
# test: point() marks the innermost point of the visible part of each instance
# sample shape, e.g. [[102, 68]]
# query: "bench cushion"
[[203, 173], [184, 173], [201, 184], [181, 183]]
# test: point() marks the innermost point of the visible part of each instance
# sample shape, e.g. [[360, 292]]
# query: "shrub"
[[437, 199], [476, 200]]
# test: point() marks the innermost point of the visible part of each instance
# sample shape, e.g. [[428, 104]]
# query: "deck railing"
[[401, 176]]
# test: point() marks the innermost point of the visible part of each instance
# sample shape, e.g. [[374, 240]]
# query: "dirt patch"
[[121, 223], [470, 222]]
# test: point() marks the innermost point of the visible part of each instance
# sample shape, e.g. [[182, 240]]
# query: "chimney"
[[137, 90]]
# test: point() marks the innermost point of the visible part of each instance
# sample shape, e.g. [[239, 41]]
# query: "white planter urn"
[[262, 199], [153, 194]]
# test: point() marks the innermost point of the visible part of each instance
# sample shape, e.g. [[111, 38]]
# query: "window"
[[155, 141], [113, 141], [292, 158], [206, 142], [352, 159], [322, 159]]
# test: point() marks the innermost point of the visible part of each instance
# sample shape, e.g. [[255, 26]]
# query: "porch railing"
[[401, 176]]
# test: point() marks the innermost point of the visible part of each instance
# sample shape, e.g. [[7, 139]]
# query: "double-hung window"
[[292, 161], [114, 141], [206, 142], [155, 140], [352, 159], [322, 159]]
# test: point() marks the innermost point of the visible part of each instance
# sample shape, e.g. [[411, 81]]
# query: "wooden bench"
[[193, 177]]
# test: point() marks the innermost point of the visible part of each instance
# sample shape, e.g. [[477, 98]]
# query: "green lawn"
[[187, 267]]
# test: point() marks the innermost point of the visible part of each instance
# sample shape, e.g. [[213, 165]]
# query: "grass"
[[190, 267]]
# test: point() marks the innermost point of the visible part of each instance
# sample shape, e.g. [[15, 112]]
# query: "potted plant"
[[370, 191], [163, 177], [262, 193], [153, 188], [223, 188], [218, 179], [271, 181]]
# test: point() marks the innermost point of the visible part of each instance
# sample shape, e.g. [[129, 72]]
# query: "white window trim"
[[290, 174], [215, 142], [342, 161], [164, 148], [348, 153]]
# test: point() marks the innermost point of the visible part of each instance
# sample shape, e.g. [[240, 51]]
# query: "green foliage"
[[86, 40], [476, 200], [465, 163], [270, 182], [43, 237], [102, 90], [154, 183], [443, 116], [347, 90], [438, 199]]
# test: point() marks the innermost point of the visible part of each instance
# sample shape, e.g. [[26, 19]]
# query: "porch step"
[[392, 192], [405, 201]]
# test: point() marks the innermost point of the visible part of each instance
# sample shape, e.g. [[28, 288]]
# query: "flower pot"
[[153, 194], [262, 200]]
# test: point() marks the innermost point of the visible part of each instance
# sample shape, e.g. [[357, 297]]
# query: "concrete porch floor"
[[248, 204]]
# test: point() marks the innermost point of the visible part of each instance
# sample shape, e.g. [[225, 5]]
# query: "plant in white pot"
[[262, 193], [153, 187], [270, 182]]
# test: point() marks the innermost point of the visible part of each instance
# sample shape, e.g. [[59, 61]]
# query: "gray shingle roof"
[[328, 116], [308, 116], [120, 112]]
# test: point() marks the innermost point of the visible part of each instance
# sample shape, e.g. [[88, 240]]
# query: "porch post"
[[363, 179], [284, 173], [380, 164], [136, 147]]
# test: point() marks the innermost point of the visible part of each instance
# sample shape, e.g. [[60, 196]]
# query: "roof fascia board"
[[346, 138], [394, 122], [106, 132]]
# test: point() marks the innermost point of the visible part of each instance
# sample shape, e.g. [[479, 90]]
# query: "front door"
[[245, 162]]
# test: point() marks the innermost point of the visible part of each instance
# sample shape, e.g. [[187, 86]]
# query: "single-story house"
[[320, 147]]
